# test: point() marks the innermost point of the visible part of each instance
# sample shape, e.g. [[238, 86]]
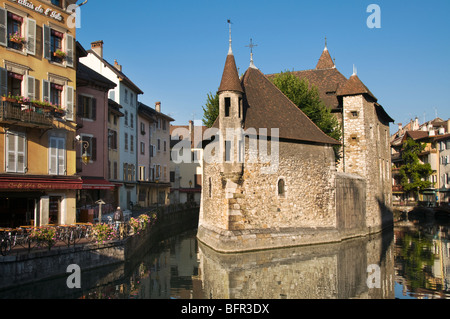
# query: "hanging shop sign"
[[49, 12]]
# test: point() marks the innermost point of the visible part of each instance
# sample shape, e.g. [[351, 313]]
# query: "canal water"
[[410, 261]]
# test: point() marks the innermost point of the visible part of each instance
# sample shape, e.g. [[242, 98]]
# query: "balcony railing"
[[24, 115]]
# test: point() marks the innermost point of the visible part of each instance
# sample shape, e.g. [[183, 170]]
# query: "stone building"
[[365, 130], [252, 200]]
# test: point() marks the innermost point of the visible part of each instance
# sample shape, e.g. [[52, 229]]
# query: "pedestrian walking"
[[118, 218]]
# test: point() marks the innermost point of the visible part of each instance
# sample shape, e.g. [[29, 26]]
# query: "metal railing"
[[26, 115]]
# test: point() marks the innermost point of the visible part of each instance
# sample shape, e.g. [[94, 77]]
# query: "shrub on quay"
[[103, 233], [45, 235]]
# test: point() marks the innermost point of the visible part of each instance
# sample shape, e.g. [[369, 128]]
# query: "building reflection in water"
[[182, 268], [332, 271]]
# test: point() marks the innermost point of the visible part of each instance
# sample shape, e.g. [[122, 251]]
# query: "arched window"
[[281, 187]]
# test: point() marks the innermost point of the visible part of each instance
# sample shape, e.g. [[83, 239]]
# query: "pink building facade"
[[92, 129]]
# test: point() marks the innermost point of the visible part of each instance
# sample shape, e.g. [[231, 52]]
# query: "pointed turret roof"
[[230, 77], [354, 86], [265, 106], [325, 61]]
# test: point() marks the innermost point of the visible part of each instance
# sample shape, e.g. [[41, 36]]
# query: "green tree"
[[211, 110], [308, 100], [414, 175]]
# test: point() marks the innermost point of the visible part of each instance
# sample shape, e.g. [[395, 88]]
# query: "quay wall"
[[25, 268]]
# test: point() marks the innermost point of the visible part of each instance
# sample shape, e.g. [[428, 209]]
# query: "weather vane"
[[251, 46], [230, 51]]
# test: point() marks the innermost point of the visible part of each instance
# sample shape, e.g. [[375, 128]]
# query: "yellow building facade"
[[38, 182]]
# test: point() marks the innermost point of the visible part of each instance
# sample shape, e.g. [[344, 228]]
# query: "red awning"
[[98, 184], [39, 183]]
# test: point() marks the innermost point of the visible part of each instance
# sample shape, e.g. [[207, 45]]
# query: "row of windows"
[[16, 159], [20, 33]]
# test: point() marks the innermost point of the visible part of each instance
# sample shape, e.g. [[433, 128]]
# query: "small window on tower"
[[281, 188], [354, 114], [227, 106]]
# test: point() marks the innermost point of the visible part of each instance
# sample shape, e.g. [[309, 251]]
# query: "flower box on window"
[[16, 38], [59, 54], [9, 99]]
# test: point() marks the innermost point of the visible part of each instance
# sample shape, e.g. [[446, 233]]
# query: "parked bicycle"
[[5, 244]]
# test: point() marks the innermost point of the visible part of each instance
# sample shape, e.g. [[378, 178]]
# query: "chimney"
[[158, 107], [191, 127], [400, 127], [97, 47], [117, 66], [416, 125]]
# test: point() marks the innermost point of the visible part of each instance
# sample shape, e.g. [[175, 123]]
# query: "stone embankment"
[[24, 268]]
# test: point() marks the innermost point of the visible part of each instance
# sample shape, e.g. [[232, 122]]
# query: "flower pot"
[[59, 55], [18, 41]]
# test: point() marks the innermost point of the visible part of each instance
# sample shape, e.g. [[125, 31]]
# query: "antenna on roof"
[[230, 51]]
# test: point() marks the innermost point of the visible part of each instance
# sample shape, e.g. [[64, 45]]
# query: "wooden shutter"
[[3, 82], [53, 156], [21, 153], [16, 152], [69, 103], [80, 106], [94, 108], [30, 88], [31, 37], [94, 149], [3, 27], [10, 153], [46, 42], [45, 90], [69, 50], [61, 156]]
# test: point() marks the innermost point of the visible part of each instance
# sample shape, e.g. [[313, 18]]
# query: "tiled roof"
[[325, 61], [327, 81], [230, 77], [354, 86], [265, 106]]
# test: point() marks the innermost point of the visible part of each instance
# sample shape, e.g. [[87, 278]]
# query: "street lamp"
[[85, 157]]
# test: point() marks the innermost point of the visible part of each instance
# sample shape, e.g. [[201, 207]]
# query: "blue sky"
[[175, 50]]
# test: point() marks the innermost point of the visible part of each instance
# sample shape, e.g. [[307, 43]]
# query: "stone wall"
[[249, 211], [367, 154]]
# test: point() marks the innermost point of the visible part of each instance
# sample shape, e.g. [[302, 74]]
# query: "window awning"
[[99, 184], [39, 183]]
